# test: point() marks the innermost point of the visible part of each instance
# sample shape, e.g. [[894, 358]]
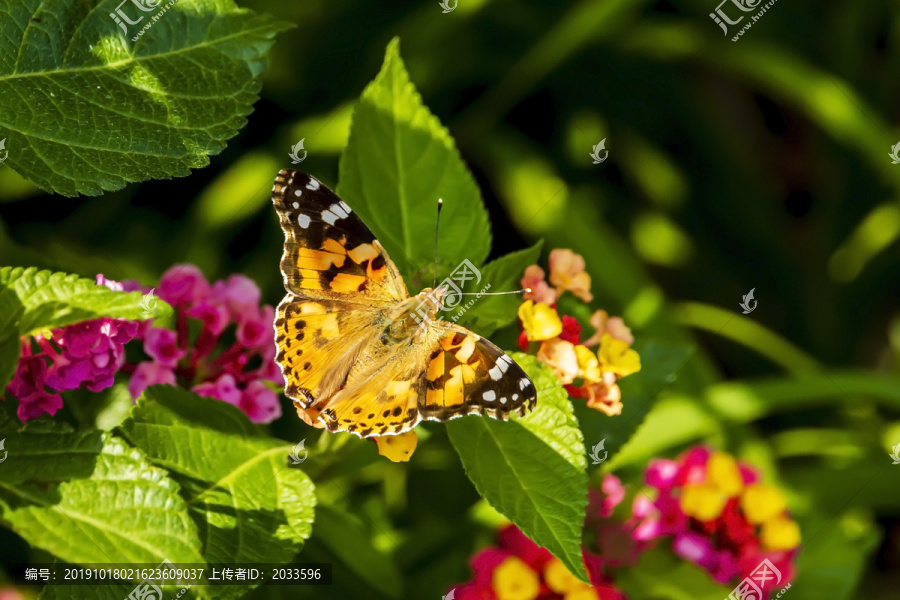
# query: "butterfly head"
[[424, 306]]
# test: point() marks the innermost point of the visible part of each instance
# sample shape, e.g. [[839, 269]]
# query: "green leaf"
[[250, 506], [88, 497], [86, 109], [836, 556], [344, 536], [51, 300], [398, 161], [532, 469], [11, 311], [663, 576], [490, 313]]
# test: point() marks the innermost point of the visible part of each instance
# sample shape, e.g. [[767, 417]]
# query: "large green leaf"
[[532, 469], [250, 506], [490, 313], [398, 161], [86, 109], [51, 300], [88, 497]]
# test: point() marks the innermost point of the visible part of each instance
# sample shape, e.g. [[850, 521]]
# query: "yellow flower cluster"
[[573, 360]]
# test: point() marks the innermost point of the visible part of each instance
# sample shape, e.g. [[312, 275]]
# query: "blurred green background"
[[758, 164]]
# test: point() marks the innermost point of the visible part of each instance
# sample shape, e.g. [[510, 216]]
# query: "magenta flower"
[[237, 293], [255, 327], [260, 403], [161, 345], [147, 374], [82, 354], [214, 316], [224, 388], [661, 473], [28, 386], [182, 285]]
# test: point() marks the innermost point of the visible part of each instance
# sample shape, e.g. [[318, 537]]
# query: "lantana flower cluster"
[[87, 353], [519, 569], [719, 514], [716, 510], [223, 347], [559, 337], [237, 374]]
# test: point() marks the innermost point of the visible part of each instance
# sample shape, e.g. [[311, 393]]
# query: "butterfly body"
[[358, 353]]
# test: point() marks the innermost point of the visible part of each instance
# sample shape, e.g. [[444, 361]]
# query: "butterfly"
[[354, 350]]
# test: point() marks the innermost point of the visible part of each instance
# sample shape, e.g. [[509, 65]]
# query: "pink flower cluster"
[[90, 353], [519, 569], [87, 353], [193, 358], [716, 509], [719, 515]]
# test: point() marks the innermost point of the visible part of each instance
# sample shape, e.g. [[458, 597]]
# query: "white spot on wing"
[[312, 185], [329, 217], [503, 400], [303, 221], [503, 362], [495, 373], [524, 383], [296, 205], [489, 395], [515, 396], [340, 212], [298, 193], [345, 207]]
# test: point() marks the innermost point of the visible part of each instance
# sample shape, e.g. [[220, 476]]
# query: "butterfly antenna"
[[437, 224], [522, 291]]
